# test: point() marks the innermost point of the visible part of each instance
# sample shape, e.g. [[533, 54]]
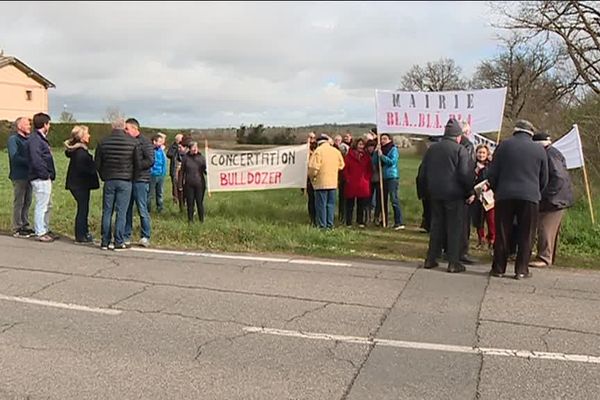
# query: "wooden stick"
[[585, 177], [383, 214], [206, 156]]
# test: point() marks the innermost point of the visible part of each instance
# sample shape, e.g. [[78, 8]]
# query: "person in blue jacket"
[[388, 153], [19, 172], [158, 173]]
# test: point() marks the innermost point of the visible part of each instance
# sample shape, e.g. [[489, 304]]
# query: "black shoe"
[[456, 267], [430, 264], [121, 247], [523, 276], [466, 259], [53, 235], [496, 274]]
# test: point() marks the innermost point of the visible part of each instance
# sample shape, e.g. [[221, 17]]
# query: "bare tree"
[[67, 116], [573, 24], [435, 76], [112, 113], [532, 73]]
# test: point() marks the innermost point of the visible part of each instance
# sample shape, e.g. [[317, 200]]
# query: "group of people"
[[132, 167], [352, 168], [531, 188]]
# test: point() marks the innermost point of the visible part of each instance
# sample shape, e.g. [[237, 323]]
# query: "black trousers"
[[341, 202], [361, 206], [526, 213], [426, 216], [466, 232], [82, 197], [310, 191], [194, 196], [446, 225]]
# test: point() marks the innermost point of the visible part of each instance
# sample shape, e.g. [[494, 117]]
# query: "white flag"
[[570, 147]]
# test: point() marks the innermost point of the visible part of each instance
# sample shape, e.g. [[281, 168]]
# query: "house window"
[[28, 95]]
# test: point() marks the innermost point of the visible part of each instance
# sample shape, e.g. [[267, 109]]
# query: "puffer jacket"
[[114, 156]]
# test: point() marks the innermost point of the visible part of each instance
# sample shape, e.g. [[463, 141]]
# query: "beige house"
[[23, 92]]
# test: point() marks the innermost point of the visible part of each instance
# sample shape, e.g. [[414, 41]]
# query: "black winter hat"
[[453, 128], [322, 138]]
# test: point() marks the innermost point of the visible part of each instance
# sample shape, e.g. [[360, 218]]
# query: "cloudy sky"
[[224, 64]]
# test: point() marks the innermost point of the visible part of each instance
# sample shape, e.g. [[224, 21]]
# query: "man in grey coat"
[[518, 175], [556, 198]]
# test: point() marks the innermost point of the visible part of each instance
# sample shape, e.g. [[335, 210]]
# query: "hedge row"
[[59, 132]]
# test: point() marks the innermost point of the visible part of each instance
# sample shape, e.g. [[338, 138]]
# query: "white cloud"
[[222, 64]]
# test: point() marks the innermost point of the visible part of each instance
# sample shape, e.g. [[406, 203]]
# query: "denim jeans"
[[42, 193], [115, 198], [325, 207], [390, 188], [82, 197], [156, 192], [139, 196]]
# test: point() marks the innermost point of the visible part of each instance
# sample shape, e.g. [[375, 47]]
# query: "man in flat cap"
[[518, 175]]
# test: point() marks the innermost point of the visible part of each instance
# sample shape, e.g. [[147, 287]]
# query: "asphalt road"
[[80, 323]]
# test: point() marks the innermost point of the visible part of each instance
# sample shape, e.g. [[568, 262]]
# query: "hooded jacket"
[[357, 174], [389, 161], [81, 173], [324, 165], [558, 194]]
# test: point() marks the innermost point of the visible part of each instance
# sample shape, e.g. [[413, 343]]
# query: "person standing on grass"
[[157, 173], [518, 176], [466, 235], [19, 176], [81, 179], [447, 178], [115, 160], [357, 175], [41, 175], [174, 154], [324, 167], [144, 160], [388, 153], [556, 198], [193, 181]]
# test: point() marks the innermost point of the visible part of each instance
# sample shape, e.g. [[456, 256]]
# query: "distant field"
[[276, 221]]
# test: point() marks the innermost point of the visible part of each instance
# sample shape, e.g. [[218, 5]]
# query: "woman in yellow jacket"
[[323, 167]]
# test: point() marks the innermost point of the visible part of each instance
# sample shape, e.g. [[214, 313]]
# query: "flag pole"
[[501, 120], [585, 176], [307, 161], [207, 174], [383, 214]]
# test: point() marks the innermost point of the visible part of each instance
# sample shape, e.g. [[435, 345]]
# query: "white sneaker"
[[145, 242], [399, 227]]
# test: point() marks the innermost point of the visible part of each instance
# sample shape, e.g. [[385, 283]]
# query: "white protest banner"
[[570, 147], [426, 113], [272, 168]]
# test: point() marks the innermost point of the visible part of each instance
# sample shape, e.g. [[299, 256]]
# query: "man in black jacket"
[[41, 175], [446, 177], [518, 175], [556, 198], [176, 157], [144, 160], [114, 160]]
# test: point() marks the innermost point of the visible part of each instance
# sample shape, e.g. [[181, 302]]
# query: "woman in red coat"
[[357, 175]]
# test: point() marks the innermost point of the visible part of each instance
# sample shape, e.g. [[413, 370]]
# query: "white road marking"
[[54, 304], [428, 346], [246, 258]]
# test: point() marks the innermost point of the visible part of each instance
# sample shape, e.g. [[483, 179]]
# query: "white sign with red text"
[[273, 168], [426, 113]]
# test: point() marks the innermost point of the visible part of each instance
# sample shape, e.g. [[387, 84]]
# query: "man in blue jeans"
[[114, 160], [388, 153], [144, 160], [323, 168]]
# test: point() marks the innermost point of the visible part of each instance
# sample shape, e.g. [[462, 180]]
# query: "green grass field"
[[276, 221]]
